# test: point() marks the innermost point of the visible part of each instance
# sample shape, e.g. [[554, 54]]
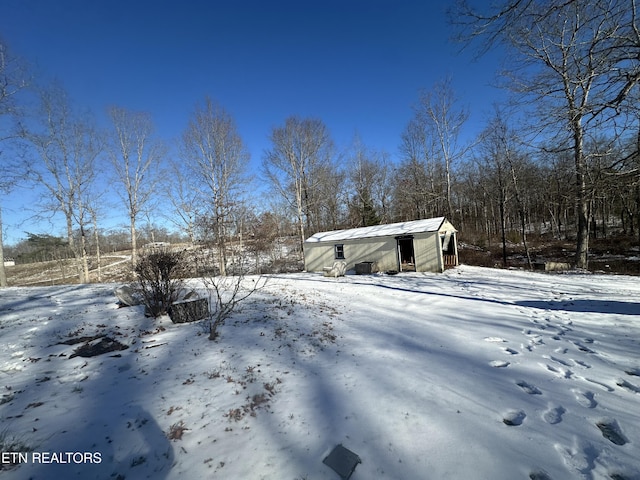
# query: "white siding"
[[427, 247], [381, 250]]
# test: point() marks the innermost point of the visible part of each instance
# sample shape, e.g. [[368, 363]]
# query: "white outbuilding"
[[427, 245]]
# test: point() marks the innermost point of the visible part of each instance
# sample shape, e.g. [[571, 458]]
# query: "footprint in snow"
[[557, 360], [536, 340], [621, 382], [582, 348], [510, 351], [559, 371], [554, 414], [513, 418], [580, 363], [499, 363], [632, 371], [602, 385], [611, 431], [528, 388], [617, 475], [579, 457], [585, 398], [494, 339], [539, 475]]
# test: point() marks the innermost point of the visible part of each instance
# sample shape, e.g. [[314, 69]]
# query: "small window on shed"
[[339, 251]]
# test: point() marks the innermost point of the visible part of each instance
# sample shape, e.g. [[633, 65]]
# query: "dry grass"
[[114, 268], [176, 431]]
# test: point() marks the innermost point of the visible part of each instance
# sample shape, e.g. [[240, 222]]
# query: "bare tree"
[[301, 151], [186, 200], [578, 61], [438, 114], [417, 191], [368, 174], [135, 156], [502, 159], [216, 156], [494, 151], [13, 79], [67, 145]]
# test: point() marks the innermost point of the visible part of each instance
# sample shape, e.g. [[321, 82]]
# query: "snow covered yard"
[[475, 373]]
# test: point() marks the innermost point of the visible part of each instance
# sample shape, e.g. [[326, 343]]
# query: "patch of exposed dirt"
[[105, 345]]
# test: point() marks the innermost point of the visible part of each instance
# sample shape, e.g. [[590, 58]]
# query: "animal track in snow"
[[585, 398], [528, 388], [554, 414], [510, 351], [513, 418]]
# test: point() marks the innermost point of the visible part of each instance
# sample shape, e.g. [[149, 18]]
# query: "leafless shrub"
[[226, 293], [160, 276]]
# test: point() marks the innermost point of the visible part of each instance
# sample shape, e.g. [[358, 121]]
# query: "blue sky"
[[357, 65]]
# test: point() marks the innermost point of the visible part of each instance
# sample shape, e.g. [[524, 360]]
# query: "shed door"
[[406, 257]]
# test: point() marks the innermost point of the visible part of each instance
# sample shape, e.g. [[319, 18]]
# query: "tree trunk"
[[521, 212], [97, 240], [637, 215], [134, 242], [502, 229], [301, 223], [449, 204], [72, 246], [3, 273], [582, 200], [84, 256], [222, 251]]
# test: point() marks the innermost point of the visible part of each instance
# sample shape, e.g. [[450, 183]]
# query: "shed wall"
[[382, 250], [428, 252]]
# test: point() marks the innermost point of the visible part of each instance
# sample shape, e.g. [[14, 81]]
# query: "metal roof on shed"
[[390, 229]]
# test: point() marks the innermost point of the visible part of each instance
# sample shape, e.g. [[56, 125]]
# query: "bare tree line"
[[578, 64], [566, 164]]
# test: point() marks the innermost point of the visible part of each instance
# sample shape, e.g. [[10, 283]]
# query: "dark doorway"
[[406, 258], [449, 250]]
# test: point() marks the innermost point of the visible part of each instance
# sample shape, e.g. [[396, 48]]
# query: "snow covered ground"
[[471, 374]]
